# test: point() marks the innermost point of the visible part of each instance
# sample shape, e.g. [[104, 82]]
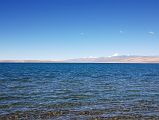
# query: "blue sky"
[[62, 29]]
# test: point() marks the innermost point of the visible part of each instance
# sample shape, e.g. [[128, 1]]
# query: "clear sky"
[[62, 29]]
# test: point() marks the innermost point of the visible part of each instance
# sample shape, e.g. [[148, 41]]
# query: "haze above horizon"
[[64, 29]]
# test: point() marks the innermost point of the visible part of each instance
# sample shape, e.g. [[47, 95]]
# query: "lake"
[[64, 91]]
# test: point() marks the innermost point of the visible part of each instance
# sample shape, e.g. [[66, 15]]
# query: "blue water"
[[79, 91]]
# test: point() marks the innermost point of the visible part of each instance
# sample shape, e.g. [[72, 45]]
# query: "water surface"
[[79, 91]]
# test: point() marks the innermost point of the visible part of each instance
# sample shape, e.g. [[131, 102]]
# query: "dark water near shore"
[[79, 91]]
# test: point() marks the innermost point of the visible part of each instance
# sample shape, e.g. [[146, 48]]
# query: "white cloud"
[[92, 57], [118, 55], [115, 54], [151, 33]]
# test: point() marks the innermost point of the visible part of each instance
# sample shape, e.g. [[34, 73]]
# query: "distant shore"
[[116, 59]]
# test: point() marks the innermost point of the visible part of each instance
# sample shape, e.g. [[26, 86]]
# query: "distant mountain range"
[[118, 59], [113, 59]]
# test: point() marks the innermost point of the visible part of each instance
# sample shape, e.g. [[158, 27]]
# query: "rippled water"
[[79, 91]]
